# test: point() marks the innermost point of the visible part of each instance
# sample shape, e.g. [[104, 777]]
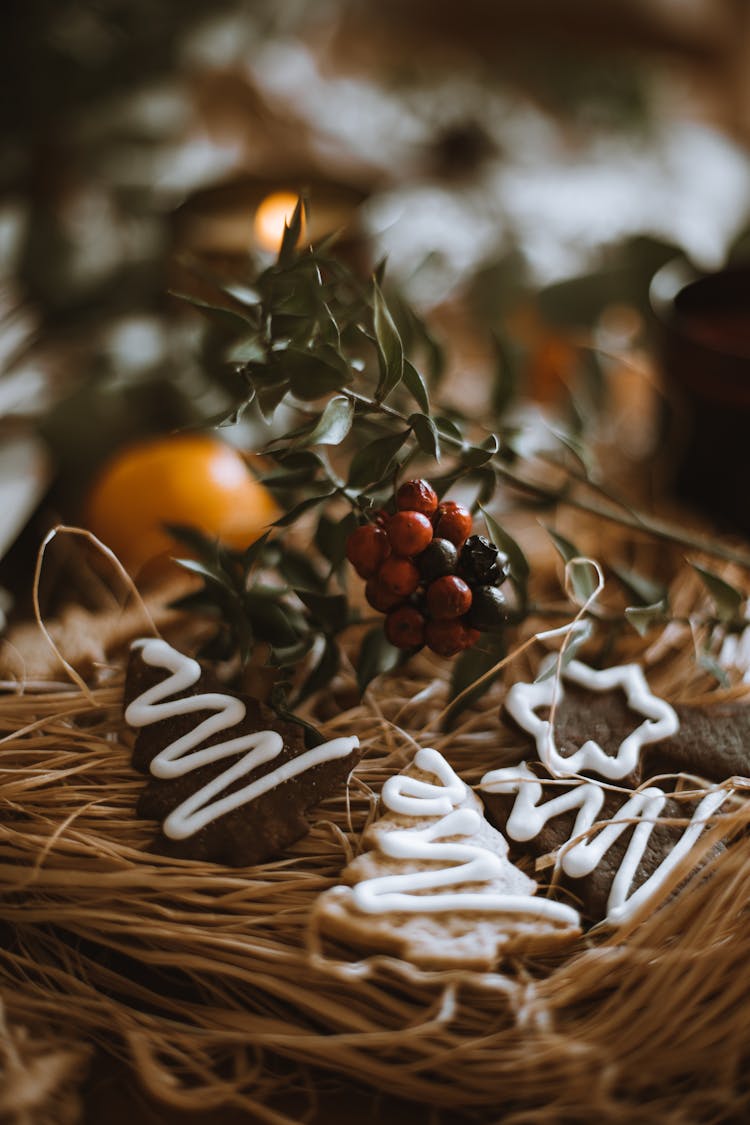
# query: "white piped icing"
[[439, 841], [660, 720], [185, 754], [528, 817]]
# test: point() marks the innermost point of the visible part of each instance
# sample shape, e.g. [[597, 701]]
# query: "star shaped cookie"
[[524, 702]]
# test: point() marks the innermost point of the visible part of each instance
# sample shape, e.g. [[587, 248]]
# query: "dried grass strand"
[[211, 984]]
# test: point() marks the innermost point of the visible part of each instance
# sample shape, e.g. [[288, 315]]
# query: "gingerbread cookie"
[[581, 723], [592, 722], [228, 780], [435, 886], [615, 868], [712, 741], [614, 848]]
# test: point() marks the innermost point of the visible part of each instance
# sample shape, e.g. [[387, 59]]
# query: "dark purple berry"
[[481, 563], [488, 612], [437, 559]]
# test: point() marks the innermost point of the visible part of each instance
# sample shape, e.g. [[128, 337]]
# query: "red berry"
[[381, 599], [450, 636], [452, 521], [448, 596], [399, 576], [409, 533], [366, 548], [404, 627], [417, 496]]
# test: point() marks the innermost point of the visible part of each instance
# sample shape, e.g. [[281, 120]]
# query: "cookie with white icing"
[[588, 721], [613, 850], [611, 719], [614, 846], [713, 741], [229, 782], [435, 886]]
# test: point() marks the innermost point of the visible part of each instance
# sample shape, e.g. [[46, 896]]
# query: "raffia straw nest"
[[209, 982]]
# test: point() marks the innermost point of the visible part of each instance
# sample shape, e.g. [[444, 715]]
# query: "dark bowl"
[[704, 340]]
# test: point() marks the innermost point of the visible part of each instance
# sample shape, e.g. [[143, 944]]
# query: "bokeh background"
[[524, 167]]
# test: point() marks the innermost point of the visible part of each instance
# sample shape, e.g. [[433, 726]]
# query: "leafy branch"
[[308, 334]]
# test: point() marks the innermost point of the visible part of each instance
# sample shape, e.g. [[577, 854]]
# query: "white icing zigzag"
[[528, 817], [184, 754], [462, 862], [660, 720]]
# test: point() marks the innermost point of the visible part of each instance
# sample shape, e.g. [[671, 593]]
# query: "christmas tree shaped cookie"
[[435, 886], [228, 780], [614, 850]]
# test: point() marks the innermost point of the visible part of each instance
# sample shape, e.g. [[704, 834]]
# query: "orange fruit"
[[182, 479]]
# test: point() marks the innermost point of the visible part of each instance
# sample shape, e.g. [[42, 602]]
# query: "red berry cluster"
[[436, 583]]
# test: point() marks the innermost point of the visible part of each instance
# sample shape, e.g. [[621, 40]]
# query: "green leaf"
[[583, 579], [299, 570], [203, 570], [331, 536], [468, 668], [416, 387], [487, 485], [226, 642], [313, 375], [565, 547], [647, 591], [376, 656], [643, 618], [285, 656], [269, 397], [201, 601], [592, 378], [475, 455], [435, 353], [448, 428], [291, 236], [269, 620], [507, 373], [389, 347], [710, 664], [332, 426], [582, 575], [298, 510], [727, 599], [519, 566], [278, 702], [426, 434], [323, 672], [217, 309], [203, 545], [445, 481], [581, 450], [250, 349], [373, 461], [295, 468], [564, 657], [254, 551], [241, 292], [330, 610]]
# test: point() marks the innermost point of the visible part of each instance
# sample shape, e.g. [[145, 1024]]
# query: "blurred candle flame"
[[274, 211]]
